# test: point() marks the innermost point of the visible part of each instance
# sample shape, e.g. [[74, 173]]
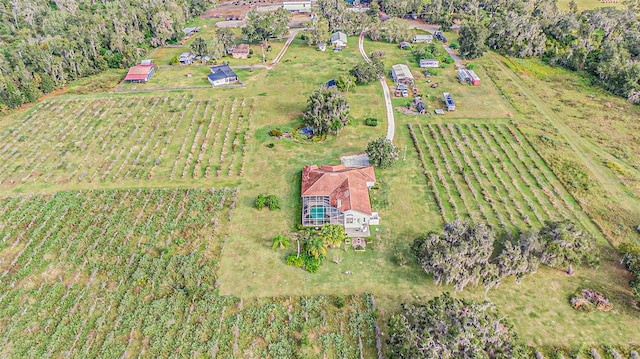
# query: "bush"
[[275, 132], [174, 60], [340, 301], [399, 258], [272, 202], [371, 122], [294, 260], [433, 72], [448, 60], [311, 263], [261, 201], [471, 66], [271, 145], [454, 45]]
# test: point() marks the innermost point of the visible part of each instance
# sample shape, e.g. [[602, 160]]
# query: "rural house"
[[222, 75], [423, 38], [240, 51], [429, 63], [339, 39], [142, 72], [401, 74], [336, 194], [297, 6], [186, 58]]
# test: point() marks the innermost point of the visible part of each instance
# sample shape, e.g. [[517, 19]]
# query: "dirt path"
[[391, 121], [588, 153], [292, 35]]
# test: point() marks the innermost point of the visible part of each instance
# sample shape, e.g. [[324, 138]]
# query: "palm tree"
[[316, 246], [333, 234], [280, 241]]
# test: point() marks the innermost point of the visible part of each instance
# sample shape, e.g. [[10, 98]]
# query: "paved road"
[[391, 121]]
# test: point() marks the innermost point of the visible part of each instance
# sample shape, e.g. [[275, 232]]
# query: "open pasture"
[[133, 272], [125, 139], [489, 173]]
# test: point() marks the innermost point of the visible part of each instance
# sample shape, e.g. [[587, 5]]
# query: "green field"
[[126, 139], [487, 173], [133, 272], [147, 246]]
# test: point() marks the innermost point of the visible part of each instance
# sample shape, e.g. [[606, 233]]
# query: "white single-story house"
[[336, 194], [401, 74], [222, 75], [429, 63], [423, 38], [297, 6], [339, 39]]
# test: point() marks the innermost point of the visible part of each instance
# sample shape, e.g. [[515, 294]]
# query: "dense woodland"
[[45, 44], [604, 42]]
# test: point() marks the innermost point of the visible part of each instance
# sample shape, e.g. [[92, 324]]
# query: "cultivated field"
[[126, 139], [488, 173], [133, 272], [586, 136]]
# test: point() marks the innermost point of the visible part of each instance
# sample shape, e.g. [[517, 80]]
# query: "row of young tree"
[[464, 253], [46, 44], [604, 42]]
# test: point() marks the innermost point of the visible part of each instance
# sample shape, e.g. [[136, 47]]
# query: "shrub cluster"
[[270, 201], [371, 121]]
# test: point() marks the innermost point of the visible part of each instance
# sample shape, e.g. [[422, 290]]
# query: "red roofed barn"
[[335, 194], [141, 73]]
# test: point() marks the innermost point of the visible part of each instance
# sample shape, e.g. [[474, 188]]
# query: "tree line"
[[603, 42], [46, 44]]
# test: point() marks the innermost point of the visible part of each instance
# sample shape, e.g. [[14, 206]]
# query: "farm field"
[[487, 173], [126, 139], [585, 135], [122, 273]]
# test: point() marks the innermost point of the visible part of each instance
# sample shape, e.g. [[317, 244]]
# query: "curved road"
[[391, 121]]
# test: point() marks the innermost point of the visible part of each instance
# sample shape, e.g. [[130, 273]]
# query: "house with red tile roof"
[[141, 73], [336, 194]]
